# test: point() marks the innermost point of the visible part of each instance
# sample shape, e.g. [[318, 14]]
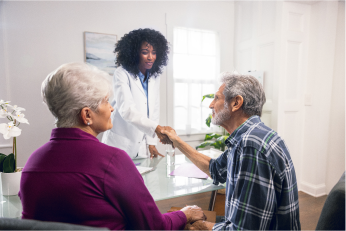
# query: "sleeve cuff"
[[218, 226], [211, 164], [154, 126], [151, 141]]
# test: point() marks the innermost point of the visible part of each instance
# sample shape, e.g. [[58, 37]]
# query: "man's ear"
[[86, 116], [237, 103]]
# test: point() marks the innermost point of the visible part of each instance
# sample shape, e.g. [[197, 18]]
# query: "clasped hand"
[[193, 213], [163, 138]]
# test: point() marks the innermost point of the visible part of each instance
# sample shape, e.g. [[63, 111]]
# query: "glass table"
[[160, 184]]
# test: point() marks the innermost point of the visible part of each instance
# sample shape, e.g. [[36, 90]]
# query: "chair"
[[25, 224], [333, 212]]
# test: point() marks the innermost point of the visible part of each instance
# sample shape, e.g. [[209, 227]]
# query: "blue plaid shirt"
[[261, 185]]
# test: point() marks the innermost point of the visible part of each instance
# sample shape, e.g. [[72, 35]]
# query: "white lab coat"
[[132, 130]]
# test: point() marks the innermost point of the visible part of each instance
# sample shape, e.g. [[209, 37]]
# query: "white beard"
[[220, 117]]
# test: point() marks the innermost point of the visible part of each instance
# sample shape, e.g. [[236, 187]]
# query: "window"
[[195, 71]]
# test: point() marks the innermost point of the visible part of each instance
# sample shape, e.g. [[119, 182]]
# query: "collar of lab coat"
[[139, 84]]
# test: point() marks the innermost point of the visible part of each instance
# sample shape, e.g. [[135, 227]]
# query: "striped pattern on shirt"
[[261, 185]]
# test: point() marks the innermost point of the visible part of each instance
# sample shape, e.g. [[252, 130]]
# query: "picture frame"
[[98, 51]]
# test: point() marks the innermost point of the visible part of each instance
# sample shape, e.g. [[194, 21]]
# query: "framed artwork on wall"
[[98, 50]]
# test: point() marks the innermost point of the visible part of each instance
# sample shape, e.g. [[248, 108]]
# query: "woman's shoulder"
[[121, 69], [118, 157], [111, 149], [121, 72]]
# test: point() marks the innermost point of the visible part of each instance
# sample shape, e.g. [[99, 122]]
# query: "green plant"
[[7, 163], [213, 139]]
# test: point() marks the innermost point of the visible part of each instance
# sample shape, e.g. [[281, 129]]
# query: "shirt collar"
[[71, 134], [237, 134], [141, 76]]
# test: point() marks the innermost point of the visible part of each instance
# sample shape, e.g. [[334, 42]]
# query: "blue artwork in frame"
[[98, 51]]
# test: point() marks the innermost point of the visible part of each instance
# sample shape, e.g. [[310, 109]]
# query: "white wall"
[[300, 48], [336, 147], [319, 86], [257, 48], [37, 37], [5, 145]]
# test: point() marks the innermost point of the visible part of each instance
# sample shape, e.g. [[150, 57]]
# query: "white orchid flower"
[[9, 130], [2, 102], [19, 117], [16, 108], [4, 112]]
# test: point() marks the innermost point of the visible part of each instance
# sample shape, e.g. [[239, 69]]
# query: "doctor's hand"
[[153, 152], [170, 132], [163, 138]]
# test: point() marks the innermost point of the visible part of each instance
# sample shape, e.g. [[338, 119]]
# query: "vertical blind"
[[194, 72]]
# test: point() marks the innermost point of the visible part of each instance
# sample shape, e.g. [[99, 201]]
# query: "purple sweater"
[[76, 179]]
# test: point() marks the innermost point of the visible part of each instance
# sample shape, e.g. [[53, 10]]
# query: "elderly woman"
[[141, 56], [76, 179]]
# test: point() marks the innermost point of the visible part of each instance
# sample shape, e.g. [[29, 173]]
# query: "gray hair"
[[246, 86], [70, 88]]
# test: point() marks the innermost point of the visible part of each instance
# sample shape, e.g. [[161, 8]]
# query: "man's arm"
[[200, 160], [200, 225]]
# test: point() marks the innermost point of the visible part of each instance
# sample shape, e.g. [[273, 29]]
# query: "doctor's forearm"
[[200, 160]]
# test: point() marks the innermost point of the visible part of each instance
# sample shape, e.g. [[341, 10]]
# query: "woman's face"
[[147, 57], [102, 119]]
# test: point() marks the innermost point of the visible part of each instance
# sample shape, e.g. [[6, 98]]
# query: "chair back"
[[333, 212], [13, 224]]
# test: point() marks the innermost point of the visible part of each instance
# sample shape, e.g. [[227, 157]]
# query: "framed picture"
[[98, 50]]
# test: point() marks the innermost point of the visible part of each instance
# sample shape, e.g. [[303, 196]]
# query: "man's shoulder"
[[268, 144], [260, 137]]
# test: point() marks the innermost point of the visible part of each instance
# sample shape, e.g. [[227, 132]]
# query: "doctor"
[[141, 55]]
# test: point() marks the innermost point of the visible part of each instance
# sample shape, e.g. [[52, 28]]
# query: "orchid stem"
[[15, 149], [15, 153]]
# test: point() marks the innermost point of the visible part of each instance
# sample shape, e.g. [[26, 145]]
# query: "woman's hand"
[[153, 152], [193, 213]]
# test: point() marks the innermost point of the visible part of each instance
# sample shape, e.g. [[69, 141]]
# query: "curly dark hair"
[[128, 47]]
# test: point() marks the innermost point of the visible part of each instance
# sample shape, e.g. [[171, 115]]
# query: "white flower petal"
[[15, 131], [7, 136], [3, 114], [22, 120], [3, 102], [3, 128], [17, 109]]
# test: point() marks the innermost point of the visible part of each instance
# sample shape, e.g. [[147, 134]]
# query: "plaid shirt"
[[261, 185]]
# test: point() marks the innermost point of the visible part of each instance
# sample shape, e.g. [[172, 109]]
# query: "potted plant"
[[10, 175], [213, 139]]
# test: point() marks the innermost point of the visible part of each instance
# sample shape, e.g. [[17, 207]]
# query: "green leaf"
[[8, 165], [211, 136], [210, 96], [208, 120], [2, 158], [222, 139], [217, 144], [204, 144]]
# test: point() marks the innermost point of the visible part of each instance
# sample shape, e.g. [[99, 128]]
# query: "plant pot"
[[10, 183]]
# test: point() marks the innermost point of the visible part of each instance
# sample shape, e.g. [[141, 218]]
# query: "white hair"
[[246, 86], [70, 88]]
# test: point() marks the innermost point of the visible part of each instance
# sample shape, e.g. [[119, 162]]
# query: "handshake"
[[166, 134]]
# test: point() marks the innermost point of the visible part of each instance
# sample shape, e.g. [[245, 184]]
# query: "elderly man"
[[261, 185]]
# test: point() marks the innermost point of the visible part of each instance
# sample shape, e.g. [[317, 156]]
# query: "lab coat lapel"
[[151, 94], [139, 84]]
